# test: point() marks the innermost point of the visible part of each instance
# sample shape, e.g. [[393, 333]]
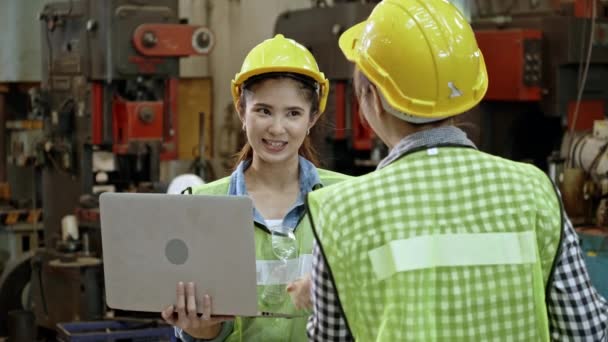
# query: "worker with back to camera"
[[279, 94], [442, 242]]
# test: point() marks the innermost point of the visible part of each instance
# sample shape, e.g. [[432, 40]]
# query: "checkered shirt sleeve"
[[327, 322], [576, 311]]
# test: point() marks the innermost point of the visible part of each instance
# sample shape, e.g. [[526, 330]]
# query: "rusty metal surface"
[[65, 294], [601, 215], [60, 196], [575, 202]]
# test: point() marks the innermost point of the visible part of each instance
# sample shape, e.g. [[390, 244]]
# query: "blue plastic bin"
[[114, 331]]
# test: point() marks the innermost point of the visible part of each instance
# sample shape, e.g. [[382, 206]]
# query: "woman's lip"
[[274, 147]]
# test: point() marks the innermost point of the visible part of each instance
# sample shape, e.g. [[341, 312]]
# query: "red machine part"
[[87, 215], [173, 40], [588, 112], [362, 135], [513, 59], [136, 121], [97, 113], [157, 121], [170, 133], [584, 8]]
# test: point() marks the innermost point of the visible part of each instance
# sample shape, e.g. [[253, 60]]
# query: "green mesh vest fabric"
[[272, 329], [444, 244]]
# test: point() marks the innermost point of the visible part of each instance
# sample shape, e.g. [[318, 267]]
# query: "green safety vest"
[[444, 244], [273, 329]]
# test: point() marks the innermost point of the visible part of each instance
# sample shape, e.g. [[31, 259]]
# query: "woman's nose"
[[277, 126]]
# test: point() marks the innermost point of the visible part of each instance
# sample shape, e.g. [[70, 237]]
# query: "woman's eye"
[[265, 111], [294, 113]]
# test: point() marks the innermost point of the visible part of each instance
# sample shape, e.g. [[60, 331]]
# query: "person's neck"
[[399, 129], [272, 176]]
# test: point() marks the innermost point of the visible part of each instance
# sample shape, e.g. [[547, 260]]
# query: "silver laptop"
[[152, 241]]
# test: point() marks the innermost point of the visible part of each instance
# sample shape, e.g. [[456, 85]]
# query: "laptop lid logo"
[[176, 252]]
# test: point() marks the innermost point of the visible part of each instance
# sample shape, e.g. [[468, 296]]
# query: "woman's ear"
[[314, 119], [374, 101], [240, 112]]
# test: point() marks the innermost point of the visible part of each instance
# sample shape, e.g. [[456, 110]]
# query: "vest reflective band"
[[453, 250], [277, 272]]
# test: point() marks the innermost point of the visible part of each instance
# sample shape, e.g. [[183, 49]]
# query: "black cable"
[[42, 296]]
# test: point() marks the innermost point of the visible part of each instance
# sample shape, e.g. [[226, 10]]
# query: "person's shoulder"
[[217, 187], [335, 183], [533, 178], [518, 167], [328, 177]]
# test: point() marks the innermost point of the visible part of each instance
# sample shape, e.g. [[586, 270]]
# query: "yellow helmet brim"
[[349, 40]]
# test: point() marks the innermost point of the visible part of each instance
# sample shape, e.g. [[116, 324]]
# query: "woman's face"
[[277, 118]]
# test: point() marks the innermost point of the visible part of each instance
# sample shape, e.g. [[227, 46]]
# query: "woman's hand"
[[299, 291], [184, 314]]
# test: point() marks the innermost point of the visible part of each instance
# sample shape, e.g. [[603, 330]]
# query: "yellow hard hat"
[[280, 54], [422, 55]]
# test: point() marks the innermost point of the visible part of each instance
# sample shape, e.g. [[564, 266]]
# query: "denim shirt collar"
[[309, 178]]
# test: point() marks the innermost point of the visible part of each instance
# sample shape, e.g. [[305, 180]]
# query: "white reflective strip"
[[453, 250], [276, 272]]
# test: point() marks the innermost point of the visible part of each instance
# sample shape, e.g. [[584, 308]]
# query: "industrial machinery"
[[108, 100], [547, 64], [546, 61], [581, 170]]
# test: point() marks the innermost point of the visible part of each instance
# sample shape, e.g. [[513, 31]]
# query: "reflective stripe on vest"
[[276, 272], [450, 250]]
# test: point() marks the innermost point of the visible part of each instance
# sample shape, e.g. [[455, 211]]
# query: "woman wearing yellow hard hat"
[[279, 94], [443, 242]]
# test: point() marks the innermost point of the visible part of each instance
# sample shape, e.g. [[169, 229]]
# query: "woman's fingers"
[[167, 315], [206, 307], [182, 316], [191, 301]]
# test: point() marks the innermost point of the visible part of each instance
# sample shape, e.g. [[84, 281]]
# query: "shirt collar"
[[309, 178], [445, 135]]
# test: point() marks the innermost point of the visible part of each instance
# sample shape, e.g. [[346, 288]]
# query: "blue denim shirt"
[[309, 177]]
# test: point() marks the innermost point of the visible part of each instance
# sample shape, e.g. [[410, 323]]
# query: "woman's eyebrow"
[[263, 105], [295, 108]]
